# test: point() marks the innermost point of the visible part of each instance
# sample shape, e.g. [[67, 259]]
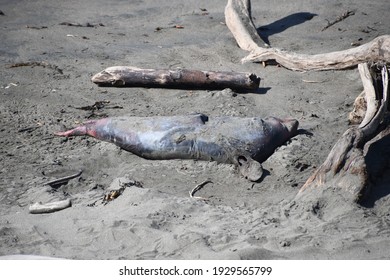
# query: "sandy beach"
[[57, 46]]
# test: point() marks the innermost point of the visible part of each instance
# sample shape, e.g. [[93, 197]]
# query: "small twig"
[[36, 27], [81, 25], [338, 19], [197, 188], [37, 63], [11, 84], [312, 81], [29, 129], [63, 180], [99, 105]]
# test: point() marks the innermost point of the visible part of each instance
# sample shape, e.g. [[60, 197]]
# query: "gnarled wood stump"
[[345, 167]]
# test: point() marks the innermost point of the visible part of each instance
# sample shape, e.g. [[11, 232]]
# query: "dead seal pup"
[[244, 142]]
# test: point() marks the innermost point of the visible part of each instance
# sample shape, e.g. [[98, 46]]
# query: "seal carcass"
[[244, 142]]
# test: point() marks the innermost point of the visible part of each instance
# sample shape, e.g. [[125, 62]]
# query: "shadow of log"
[[377, 156], [282, 24]]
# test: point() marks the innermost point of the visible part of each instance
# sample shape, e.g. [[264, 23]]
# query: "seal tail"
[[89, 128], [78, 131]]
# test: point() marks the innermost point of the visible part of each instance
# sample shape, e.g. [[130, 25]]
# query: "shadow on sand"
[[280, 25]]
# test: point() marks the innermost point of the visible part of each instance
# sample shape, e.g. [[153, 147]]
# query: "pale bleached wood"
[[377, 50], [239, 20], [43, 208]]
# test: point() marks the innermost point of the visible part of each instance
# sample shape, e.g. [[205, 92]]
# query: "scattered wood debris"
[[113, 194]]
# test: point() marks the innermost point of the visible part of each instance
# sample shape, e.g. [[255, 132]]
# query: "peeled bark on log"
[[359, 109], [126, 76], [345, 167], [239, 21]]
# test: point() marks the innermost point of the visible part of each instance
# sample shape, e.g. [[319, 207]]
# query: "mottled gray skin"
[[245, 142]]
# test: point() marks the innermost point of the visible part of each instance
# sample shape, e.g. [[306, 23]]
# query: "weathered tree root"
[[345, 167], [239, 21]]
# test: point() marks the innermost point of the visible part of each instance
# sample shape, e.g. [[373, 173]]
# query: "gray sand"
[[241, 220]]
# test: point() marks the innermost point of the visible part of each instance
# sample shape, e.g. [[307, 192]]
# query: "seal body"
[[245, 142]]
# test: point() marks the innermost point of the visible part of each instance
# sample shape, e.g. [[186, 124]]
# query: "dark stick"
[[37, 63], [63, 180], [126, 76], [338, 19], [197, 188]]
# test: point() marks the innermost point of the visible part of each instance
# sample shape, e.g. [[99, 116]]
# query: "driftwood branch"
[[239, 21], [39, 208], [126, 76], [378, 50], [345, 167]]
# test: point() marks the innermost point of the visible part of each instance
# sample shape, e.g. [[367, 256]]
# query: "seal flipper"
[[249, 168]]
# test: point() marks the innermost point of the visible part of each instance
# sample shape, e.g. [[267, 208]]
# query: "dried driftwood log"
[[239, 21], [126, 76], [345, 167]]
